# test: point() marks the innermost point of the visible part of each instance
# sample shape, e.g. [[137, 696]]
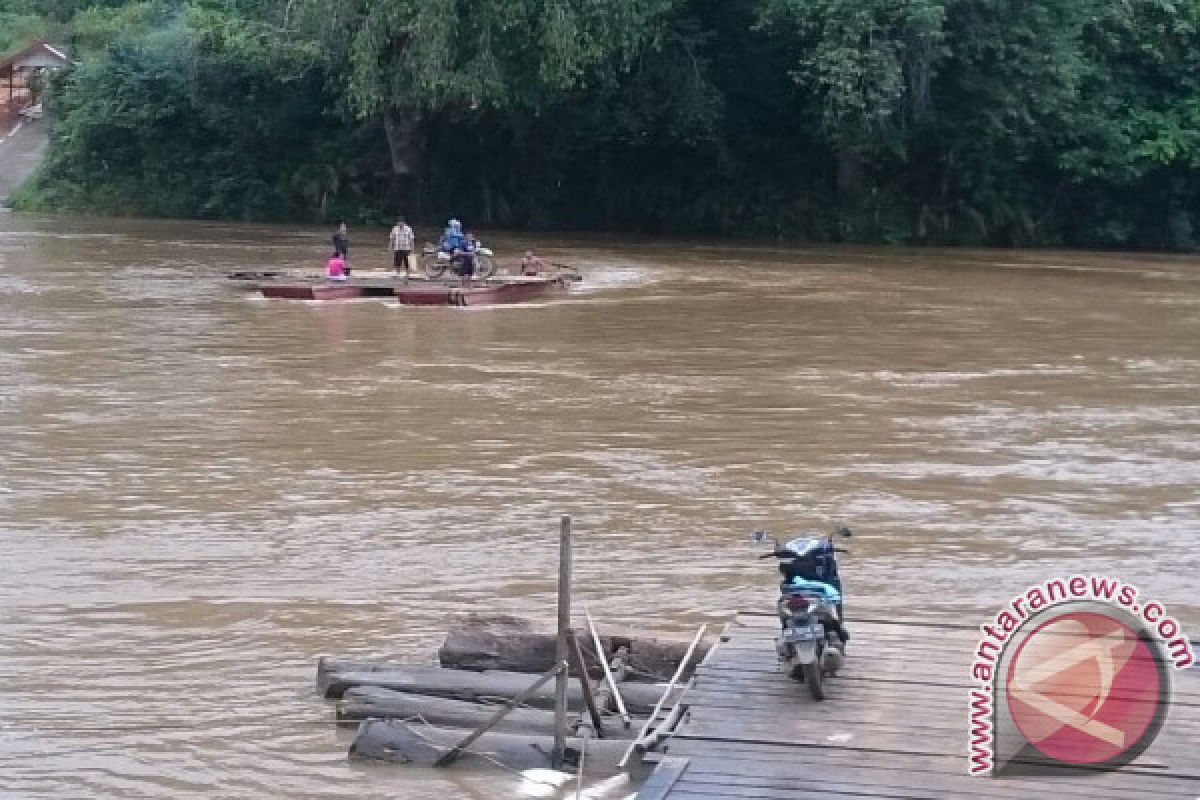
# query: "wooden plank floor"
[[893, 724]]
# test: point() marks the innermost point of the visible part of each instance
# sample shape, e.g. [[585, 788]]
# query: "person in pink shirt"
[[336, 267]]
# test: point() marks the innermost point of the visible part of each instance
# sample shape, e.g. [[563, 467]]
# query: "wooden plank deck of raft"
[[893, 724]]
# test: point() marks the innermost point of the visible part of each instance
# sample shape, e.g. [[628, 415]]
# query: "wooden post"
[[585, 685], [608, 676], [562, 651], [579, 772]]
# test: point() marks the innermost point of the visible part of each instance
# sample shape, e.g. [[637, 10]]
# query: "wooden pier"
[[894, 724]]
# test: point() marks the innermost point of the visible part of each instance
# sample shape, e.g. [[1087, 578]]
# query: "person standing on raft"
[[461, 249], [470, 247], [401, 241]]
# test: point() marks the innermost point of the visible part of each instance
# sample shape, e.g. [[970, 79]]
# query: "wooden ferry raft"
[[509, 289], [894, 724], [422, 291]]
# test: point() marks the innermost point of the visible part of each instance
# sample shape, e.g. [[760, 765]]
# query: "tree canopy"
[[957, 121]]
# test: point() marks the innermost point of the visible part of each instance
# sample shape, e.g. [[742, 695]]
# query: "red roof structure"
[[37, 55]]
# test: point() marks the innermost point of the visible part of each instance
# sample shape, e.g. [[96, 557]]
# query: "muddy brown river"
[[201, 491]]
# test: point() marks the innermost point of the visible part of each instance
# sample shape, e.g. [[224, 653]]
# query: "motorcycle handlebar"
[[787, 554]]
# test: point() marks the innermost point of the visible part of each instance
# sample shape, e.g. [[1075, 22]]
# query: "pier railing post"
[[562, 645]]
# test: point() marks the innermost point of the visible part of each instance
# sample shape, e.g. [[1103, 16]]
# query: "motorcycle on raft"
[[435, 262], [812, 640]]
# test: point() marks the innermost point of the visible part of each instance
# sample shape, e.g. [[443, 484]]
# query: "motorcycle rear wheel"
[[434, 267], [812, 676]]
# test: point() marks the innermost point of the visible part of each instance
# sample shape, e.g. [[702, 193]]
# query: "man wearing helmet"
[[460, 248]]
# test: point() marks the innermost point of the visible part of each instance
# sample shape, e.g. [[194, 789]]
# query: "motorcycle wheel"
[[485, 266], [812, 676], [433, 266]]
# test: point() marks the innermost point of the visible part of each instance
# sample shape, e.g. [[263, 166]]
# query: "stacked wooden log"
[[414, 714], [509, 643]]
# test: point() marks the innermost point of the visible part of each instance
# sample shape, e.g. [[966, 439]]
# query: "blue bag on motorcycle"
[[822, 588]]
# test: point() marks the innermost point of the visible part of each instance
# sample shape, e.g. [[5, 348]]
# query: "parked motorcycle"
[[812, 641], [435, 262]]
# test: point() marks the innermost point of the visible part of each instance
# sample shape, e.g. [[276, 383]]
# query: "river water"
[[201, 491]]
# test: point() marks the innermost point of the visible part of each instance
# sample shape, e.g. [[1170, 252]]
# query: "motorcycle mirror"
[[842, 530], [758, 537]]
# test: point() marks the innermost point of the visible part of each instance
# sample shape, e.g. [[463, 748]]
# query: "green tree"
[[415, 64], [17, 29], [991, 121], [1133, 162], [868, 64], [204, 116]]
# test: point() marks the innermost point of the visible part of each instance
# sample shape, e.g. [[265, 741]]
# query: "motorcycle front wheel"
[[485, 266]]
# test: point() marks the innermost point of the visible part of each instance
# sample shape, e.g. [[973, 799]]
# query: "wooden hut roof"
[[46, 51]]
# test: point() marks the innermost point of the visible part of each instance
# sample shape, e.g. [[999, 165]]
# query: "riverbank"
[[22, 148]]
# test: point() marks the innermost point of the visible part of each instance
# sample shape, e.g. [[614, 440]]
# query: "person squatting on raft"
[[531, 265], [401, 241], [461, 248], [335, 268]]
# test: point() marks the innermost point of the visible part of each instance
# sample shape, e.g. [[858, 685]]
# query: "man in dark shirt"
[[341, 244]]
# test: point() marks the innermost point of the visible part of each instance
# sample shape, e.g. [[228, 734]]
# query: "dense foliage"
[[992, 121]]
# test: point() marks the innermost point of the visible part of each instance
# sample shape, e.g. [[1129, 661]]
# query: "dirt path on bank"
[[21, 151]]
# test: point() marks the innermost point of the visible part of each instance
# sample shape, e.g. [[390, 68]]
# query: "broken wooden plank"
[[608, 675], [585, 686]]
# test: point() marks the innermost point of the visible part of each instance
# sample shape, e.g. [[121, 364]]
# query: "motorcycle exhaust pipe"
[[832, 660]]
